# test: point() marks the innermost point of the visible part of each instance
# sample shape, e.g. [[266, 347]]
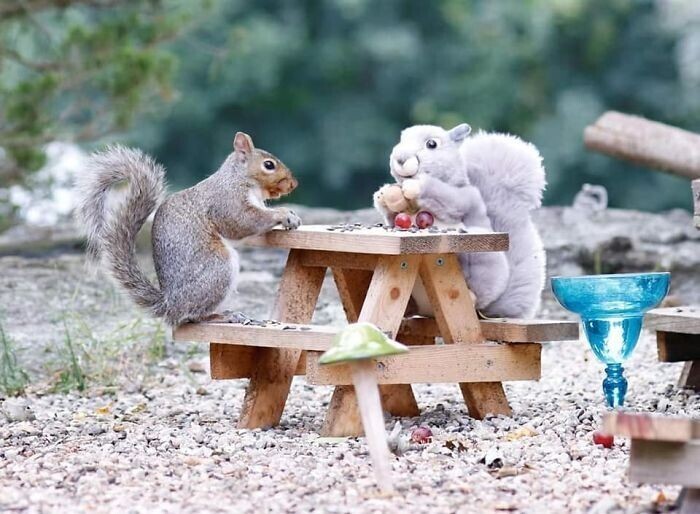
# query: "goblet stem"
[[614, 385]]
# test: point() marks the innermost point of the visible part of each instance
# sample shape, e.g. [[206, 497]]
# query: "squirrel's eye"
[[269, 165], [431, 143]]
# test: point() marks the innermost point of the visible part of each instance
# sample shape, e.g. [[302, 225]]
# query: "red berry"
[[424, 219], [403, 221], [605, 440], [421, 435]]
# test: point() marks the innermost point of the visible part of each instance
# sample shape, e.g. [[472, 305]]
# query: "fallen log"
[[649, 143]]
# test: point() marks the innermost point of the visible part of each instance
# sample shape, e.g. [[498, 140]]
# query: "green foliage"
[[13, 378], [328, 86], [77, 69]]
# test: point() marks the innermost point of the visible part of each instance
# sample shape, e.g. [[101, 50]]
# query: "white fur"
[[255, 197], [487, 182], [509, 173], [227, 304]]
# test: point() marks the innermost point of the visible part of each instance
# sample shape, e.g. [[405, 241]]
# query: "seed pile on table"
[[352, 227]]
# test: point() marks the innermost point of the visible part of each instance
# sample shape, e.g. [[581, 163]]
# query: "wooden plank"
[[342, 260], [458, 323], [651, 426], [514, 330], [665, 462], [455, 314], [352, 285], [696, 202], [675, 347], [379, 241], [384, 305], [683, 320], [690, 376], [503, 329], [319, 337], [230, 361], [269, 385], [488, 362], [298, 336], [689, 500], [646, 142]]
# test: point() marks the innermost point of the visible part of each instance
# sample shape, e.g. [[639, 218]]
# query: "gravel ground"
[[172, 447], [152, 433]]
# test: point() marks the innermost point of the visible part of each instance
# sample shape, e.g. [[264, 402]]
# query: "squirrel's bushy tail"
[[112, 227]]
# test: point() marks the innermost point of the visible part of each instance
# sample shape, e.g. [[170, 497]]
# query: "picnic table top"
[[683, 320], [374, 239]]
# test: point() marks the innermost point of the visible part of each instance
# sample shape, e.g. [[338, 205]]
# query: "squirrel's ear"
[[458, 133], [243, 143]]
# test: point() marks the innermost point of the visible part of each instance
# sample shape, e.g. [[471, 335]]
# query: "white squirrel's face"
[[429, 149]]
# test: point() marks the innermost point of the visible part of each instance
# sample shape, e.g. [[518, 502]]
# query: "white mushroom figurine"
[[357, 345]]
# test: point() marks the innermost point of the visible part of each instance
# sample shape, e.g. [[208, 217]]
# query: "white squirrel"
[[486, 182]]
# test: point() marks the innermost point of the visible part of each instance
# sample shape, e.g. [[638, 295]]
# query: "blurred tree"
[[80, 69], [328, 84]]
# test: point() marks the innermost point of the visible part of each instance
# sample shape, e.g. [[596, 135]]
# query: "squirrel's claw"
[[235, 317], [291, 220]]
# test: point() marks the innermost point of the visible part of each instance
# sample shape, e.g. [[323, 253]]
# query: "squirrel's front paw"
[[290, 220], [411, 188]]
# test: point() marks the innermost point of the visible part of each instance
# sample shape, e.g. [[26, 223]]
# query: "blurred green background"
[[327, 85]]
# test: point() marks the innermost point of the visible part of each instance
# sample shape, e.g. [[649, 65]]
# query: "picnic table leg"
[[690, 376], [352, 287], [274, 368], [689, 501], [458, 322], [384, 305]]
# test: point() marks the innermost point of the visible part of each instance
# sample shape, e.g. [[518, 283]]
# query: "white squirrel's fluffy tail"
[[507, 171], [509, 174]]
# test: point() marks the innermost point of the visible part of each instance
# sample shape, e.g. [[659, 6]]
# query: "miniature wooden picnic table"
[[375, 270]]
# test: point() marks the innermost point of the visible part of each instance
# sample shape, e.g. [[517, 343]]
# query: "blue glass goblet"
[[612, 308]]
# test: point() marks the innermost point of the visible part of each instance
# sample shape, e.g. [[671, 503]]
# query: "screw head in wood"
[[404, 265], [440, 261]]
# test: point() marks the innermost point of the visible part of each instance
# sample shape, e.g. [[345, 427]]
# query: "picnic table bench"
[[678, 340], [664, 450], [678, 328], [375, 270]]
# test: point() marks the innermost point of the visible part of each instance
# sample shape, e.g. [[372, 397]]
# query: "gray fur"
[[196, 269], [485, 182], [111, 234]]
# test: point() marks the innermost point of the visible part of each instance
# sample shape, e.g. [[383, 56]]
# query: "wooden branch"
[[645, 142]]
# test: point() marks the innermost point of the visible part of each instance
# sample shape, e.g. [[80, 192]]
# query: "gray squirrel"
[[196, 265], [485, 182]]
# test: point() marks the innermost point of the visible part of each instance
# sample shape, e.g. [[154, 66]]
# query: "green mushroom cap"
[[360, 341]]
